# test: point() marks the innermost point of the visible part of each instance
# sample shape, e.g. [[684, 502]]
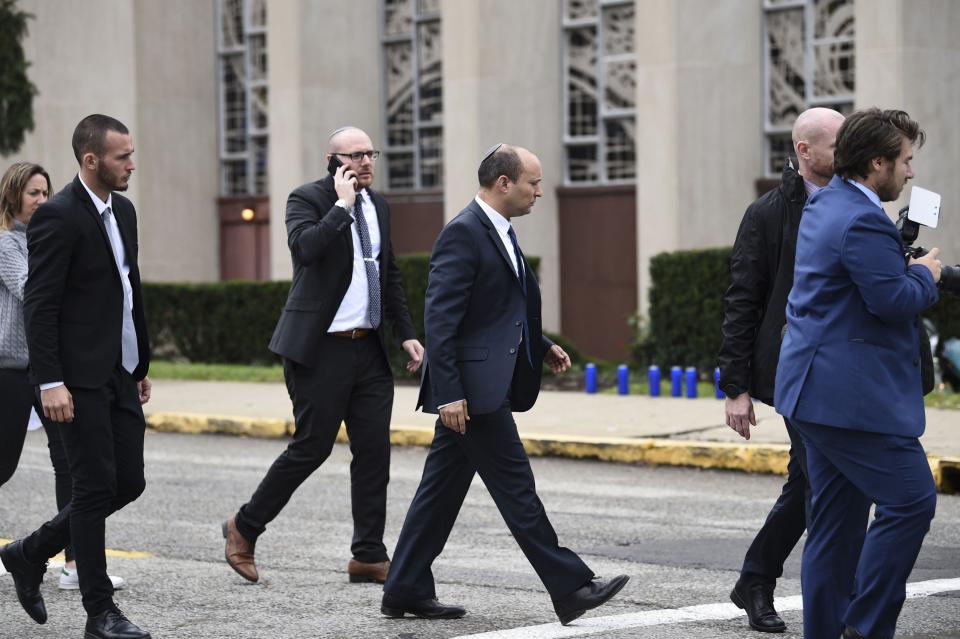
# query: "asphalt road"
[[680, 534]]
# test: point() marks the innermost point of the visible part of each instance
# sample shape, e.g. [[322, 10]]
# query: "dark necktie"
[[373, 277], [521, 275]]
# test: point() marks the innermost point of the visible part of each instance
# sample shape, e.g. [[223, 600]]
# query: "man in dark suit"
[[89, 356], [333, 343], [849, 380], [485, 349]]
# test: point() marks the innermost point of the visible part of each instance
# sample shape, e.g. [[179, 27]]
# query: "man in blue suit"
[[485, 350], [849, 380]]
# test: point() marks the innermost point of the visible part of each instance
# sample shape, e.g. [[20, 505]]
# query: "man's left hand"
[[557, 359], [143, 389], [415, 351]]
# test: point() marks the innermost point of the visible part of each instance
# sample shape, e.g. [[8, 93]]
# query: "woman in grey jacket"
[[24, 187]]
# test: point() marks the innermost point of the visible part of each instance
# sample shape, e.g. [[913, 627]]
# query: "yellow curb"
[[126, 554], [749, 458]]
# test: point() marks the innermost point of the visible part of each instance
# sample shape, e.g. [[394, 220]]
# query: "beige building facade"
[[656, 121]]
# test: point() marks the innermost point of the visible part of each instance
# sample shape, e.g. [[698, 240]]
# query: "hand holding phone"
[[344, 180]]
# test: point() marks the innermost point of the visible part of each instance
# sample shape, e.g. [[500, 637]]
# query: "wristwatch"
[[342, 203]]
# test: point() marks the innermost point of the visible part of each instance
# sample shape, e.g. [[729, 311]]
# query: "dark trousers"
[[853, 575], [351, 383], [104, 445], [763, 563], [17, 397], [492, 448]]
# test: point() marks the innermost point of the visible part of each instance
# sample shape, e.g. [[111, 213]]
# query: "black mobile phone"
[[334, 164]]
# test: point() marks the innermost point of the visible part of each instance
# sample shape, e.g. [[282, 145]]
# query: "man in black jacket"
[[761, 274], [89, 355], [333, 343]]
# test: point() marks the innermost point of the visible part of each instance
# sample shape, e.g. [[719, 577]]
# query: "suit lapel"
[[81, 193], [497, 242], [383, 223]]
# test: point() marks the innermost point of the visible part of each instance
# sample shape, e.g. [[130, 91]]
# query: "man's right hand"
[[57, 404], [740, 414], [345, 183], [455, 416], [930, 261]]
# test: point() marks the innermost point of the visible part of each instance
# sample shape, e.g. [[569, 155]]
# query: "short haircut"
[[873, 133], [90, 136], [12, 185], [503, 160]]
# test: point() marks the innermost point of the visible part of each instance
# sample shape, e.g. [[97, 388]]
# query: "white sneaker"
[[70, 581]]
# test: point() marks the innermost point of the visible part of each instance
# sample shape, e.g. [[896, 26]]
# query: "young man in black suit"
[[333, 343], [485, 349], [89, 355]]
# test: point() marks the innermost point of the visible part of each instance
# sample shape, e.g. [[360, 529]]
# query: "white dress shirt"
[[354, 310]]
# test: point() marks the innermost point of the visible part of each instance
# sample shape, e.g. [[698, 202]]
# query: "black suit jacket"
[[321, 245], [73, 299], [474, 318]]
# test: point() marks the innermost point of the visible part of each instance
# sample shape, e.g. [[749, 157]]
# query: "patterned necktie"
[[521, 275], [373, 277], [129, 353]]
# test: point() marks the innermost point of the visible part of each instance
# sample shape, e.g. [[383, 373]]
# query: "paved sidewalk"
[[663, 430]]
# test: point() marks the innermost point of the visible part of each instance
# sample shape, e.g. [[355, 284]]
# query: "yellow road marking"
[[110, 552]]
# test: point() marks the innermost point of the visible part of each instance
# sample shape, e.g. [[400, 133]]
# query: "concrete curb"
[[749, 458]]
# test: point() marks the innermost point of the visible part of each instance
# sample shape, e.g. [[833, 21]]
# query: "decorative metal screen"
[[413, 90], [242, 83], [599, 91], [808, 61]]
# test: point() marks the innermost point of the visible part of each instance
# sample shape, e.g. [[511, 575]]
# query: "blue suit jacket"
[[850, 357], [474, 317]]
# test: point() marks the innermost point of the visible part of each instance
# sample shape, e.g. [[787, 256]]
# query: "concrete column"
[[502, 83], [908, 57], [176, 140], [81, 63], [699, 124], [325, 72]]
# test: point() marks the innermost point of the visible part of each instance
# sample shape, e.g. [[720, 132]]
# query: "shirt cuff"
[[50, 385], [448, 404]]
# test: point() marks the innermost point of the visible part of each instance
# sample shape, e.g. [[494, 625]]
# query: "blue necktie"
[[373, 277], [522, 276]]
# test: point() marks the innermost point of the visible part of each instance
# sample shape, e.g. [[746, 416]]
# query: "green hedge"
[[231, 322], [686, 310]]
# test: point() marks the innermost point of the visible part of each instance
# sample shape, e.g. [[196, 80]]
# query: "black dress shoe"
[[593, 594], [112, 624], [395, 608], [849, 632], [27, 578], [757, 601]]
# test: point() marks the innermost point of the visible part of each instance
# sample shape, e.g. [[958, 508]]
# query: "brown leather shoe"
[[239, 551], [362, 572]]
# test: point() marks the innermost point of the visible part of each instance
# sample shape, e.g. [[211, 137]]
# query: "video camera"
[[928, 210]]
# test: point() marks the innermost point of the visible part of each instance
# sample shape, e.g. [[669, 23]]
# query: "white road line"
[[706, 612]]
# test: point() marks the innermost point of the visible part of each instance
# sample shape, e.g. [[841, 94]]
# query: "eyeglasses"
[[359, 155]]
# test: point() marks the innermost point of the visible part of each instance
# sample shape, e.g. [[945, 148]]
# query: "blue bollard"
[[691, 382], [590, 378], [676, 381], [623, 379], [653, 380], [716, 383]]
